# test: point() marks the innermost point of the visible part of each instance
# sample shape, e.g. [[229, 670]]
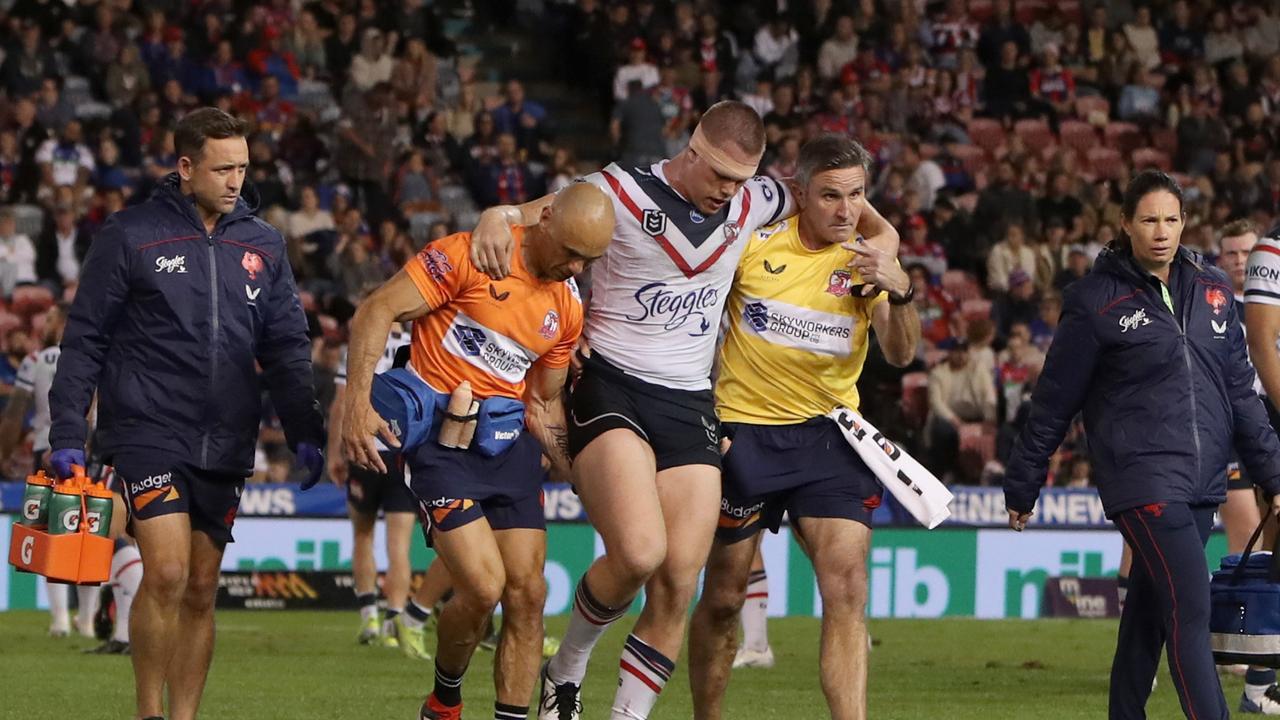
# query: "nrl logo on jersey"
[[655, 222]]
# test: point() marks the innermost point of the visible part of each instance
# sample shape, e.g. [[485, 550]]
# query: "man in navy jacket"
[[181, 299]]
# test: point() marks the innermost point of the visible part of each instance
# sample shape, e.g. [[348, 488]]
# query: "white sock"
[[368, 611], [755, 613], [126, 577], [59, 599], [87, 597], [588, 622], [415, 616], [642, 674]]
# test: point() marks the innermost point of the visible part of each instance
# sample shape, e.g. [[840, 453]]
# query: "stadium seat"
[[915, 398], [973, 157], [1034, 132], [1089, 105], [977, 448], [1123, 136], [986, 134], [1145, 158], [1077, 135], [1165, 140], [975, 308], [1106, 162]]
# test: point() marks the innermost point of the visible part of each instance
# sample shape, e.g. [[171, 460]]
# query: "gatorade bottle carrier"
[[76, 555]]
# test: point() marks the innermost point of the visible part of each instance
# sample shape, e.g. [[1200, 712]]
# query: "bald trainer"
[[511, 341]]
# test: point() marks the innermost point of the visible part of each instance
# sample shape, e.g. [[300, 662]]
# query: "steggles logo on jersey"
[[655, 222], [252, 264], [838, 283], [175, 264], [675, 310], [550, 325], [772, 270]]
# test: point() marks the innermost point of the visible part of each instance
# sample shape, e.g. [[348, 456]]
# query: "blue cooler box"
[[1244, 616]]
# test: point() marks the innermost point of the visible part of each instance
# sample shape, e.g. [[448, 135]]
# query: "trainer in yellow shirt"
[[806, 294]]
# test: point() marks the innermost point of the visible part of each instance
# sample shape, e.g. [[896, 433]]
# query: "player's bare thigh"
[[615, 474]]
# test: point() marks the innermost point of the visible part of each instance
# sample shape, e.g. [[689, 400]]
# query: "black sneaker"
[[103, 622], [110, 647], [559, 702]]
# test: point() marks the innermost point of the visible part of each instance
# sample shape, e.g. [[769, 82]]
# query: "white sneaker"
[[1267, 704], [753, 658], [559, 702]]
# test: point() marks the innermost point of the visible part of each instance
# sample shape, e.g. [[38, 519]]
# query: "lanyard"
[[1164, 294]]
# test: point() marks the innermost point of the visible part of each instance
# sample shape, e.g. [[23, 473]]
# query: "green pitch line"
[[306, 665]]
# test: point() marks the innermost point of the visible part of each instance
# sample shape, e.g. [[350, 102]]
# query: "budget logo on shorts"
[[550, 325], [655, 222], [838, 283], [471, 339], [757, 316], [146, 491]]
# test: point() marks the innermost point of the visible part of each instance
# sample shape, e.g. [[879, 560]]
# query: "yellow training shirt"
[[797, 335]]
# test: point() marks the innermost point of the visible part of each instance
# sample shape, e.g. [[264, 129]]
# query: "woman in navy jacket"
[[1150, 349]]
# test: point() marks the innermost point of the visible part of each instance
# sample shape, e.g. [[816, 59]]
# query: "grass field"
[[306, 665]]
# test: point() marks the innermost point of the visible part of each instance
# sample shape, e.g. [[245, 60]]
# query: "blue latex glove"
[[310, 457], [63, 459]]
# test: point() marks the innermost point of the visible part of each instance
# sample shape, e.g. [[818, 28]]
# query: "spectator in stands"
[[100, 45], [637, 68], [354, 268], [10, 166], [959, 392], [1047, 30], [306, 42], [1019, 305], [918, 249], [340, 48], [1003, 27], [127, 77], [418, 189], [1201, 135], [1260, 32], [223, 73], [1180, 41], [440, 150], [1060, 203], [563, 170], [1140, 98], [951, 32], [507, 180], [526, 120], [715, 48], [61, 250], [17, 255], [1222, 44], [66, 160], [776, 48], [368, 129], [838, 50], [637, 128], [1117, 66], [270, 58], [271, 178], [413, 79], [1054, 85], [787, 160], [309, 217], [374, 64], [1004, 201], [924, 176], [1143, 39], [1019, 365], [676, 104], [1007, 89], [27, 64], [939, 322], [1010, 255], [1046, 324], [51, 109]]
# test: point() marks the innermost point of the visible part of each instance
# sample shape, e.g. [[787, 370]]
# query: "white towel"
[[912, 485]]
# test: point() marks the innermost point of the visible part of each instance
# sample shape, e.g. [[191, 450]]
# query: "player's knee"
[[640, 557], [482, 592], [723, 605], [843, 590], [166, 579], [670, 593], [525, 594], [200, 594]]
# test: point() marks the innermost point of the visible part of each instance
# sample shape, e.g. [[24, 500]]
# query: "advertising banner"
[[913, 573]]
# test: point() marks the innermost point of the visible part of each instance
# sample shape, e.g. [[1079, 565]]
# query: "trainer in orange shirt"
[[484, 514]]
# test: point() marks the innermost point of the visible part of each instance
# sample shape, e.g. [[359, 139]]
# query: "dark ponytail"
[[1142, 185]]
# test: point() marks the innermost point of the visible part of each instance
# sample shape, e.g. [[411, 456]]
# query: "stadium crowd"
[[1002, 133]]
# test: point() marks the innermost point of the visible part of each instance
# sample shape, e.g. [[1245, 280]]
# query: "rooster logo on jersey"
[[838, 283], [252, 264], [550, 325], [1216, 299]]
